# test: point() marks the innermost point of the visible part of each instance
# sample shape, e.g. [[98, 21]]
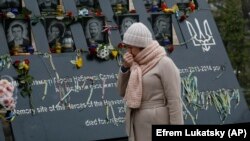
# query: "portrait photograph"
[[4, 4], [18, 35], [93, 27], [59, 34], [47, 5], [162, 26], [124, 22]]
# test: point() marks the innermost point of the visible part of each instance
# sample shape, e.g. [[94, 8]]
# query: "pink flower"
[[1, 91], [6, 95], [10, 88], [6, 102]]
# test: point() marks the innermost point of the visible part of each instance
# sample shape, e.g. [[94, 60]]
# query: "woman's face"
[[133, 50]]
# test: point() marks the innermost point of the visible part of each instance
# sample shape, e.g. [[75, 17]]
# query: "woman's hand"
[[128, 60]]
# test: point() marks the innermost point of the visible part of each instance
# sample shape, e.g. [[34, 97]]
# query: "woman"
[[149, 82]]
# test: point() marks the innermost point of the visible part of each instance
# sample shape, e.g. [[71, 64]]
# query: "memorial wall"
[[64, 56]]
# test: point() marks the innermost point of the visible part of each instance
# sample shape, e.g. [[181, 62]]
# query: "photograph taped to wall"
[[93, 27], [47, 5], [18, 35], [5, 4], [124, 21], [162, 26], [59, 35]]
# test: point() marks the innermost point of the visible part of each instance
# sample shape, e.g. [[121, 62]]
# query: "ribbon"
[[108, 28]]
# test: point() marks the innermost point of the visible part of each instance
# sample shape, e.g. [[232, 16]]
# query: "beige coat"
[[161, 103]]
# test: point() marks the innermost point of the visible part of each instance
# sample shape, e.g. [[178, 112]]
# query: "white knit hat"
[[138, 35]]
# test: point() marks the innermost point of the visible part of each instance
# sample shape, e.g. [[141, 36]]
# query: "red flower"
[[16, 63], [70, 13], [132, 11], [52, 50], [120, 45], [163, 5], [183, 17], [191, 6], [98, 12], [170, 48], [26, 61], [92, 51]]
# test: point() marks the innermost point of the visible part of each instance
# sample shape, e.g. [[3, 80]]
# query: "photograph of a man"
[[93, 29], [9, 3], [162, 26], [18, 34], [126, 22], [47, 4]]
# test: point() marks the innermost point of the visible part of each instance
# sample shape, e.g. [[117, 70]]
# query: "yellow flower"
[[79, 62], [114, 53]]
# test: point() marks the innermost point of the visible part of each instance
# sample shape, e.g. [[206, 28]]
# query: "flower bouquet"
[[7, 98]]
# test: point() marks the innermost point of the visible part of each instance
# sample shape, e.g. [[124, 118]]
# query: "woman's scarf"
[[143, 62]]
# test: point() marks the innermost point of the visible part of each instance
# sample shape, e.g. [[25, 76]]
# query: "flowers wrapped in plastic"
[[7, 98]]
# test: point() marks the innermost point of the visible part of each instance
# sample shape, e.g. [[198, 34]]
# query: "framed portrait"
[[124, 21], [119, 6], [93, 27], [48, 5], [5, 4], [18, 35], [59, 35], [162, 27]]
